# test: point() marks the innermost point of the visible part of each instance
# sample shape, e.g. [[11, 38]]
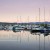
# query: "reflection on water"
[[23, 40]]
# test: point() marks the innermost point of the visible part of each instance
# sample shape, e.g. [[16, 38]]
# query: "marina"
[[24, 24], [31, 27]]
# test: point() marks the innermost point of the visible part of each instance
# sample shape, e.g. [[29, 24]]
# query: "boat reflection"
[[45, 33]]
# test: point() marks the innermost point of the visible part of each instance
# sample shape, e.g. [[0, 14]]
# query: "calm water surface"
[[23, 40]]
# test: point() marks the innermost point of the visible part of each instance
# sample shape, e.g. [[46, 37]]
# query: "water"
[[23, 40]]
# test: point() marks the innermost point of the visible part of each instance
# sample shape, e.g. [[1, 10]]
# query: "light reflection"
[[35, 42]]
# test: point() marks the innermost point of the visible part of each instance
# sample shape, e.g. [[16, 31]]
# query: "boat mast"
[[44, 16], [20, 19], [39, 14], [17, 21]]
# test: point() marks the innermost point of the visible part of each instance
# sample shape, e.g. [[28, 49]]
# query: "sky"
[[14, 10]]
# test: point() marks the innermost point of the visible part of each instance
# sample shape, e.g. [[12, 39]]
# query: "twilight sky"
[[11, 10]]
